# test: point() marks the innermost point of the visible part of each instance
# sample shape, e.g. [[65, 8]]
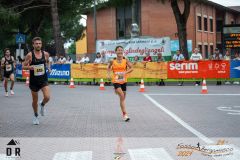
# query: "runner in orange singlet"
[[120, 67]]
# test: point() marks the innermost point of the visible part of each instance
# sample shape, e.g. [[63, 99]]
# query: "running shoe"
[[35, 120], [11, 91], [42, 108], [6, 94], [126, 118]]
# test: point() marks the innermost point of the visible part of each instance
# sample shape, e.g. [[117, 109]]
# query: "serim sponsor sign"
[[199, 69], [183, 69], [60, 71]]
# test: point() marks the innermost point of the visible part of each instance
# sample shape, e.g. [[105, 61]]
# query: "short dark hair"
[[36, 39], [118, 47], [5, 50]]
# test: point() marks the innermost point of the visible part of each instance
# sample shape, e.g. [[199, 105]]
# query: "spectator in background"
[[104, 57], [147, 58], [55, 59], [160, 59], [98, 58], [62, 59], [236, 56], [217, 56], [196, 56], [227, 57], [85, 59], [69, 60], [79, 59], [178, 57], [136, 59]]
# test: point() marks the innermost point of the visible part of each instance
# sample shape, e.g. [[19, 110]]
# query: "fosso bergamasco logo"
[[13, 149], [221, 149]]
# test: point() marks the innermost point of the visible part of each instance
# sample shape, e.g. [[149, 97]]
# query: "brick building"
[[156, 19]]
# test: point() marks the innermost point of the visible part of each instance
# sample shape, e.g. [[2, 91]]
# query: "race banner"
[[217, 69], [136, 47], [60, 71], [149, 70], [140, 70], [84, 70], [199, 69], [235, 69], [162, 70], [18, 70]]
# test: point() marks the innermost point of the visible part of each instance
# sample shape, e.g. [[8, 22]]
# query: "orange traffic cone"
[[142, 88], [101, 85], [27, 81], [204, 87], [71, 83]]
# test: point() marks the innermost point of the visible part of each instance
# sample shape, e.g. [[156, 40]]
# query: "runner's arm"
[[47, 61], [129, 68], [14, 62], [26, 63], [2, 62]]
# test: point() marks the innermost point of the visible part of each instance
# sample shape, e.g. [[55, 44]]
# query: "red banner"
[[199, 69]]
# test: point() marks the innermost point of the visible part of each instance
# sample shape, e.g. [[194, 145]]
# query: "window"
[[219, 24], [120, 28], [211, 49], [199, 19], [206, 50], [128, 23], [200, 48], [124, 20], [211, 24], [219, 46], [205, 24]]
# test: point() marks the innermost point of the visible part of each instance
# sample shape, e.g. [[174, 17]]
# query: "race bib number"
[[8, 67], [120, 77], [39, 70]]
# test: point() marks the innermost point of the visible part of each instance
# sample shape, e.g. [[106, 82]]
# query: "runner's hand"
[[31, 68]]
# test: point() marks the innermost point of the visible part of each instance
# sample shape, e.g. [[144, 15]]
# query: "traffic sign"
[[20, 38]]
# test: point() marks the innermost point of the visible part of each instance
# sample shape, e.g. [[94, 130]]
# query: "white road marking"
[[236, 154], [159, 94], [149, 154], [179, 120], [230, 110], [84, 155]]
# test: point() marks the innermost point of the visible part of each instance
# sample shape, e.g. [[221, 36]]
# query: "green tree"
[[72, 48], [34, 18]]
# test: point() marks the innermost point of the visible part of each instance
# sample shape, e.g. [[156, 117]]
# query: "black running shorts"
[[37, 86], [7, 74], [122, 86]]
